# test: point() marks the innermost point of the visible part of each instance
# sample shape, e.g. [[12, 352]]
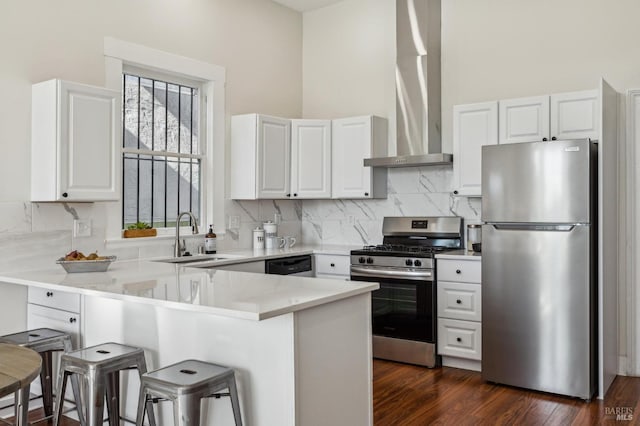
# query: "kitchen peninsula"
[[301, 347]]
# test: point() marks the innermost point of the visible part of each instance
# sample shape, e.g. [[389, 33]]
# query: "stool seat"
[[186, 383], [45, 341], [101, 366], [188, 376]]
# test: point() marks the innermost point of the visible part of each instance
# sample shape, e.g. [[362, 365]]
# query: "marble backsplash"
[[33, 232], [412, 191]]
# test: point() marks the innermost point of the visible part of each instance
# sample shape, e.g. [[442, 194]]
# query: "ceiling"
[[306, 5]]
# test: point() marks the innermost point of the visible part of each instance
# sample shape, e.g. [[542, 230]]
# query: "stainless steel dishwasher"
[[294, 265]]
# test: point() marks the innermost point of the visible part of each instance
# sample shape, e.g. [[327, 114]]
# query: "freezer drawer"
[[539, 182], [538, 308]]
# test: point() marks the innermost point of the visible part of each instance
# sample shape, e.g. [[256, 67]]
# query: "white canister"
[[258, 238], [270, 235]]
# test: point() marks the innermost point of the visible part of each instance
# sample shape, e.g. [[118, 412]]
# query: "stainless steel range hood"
[[418, 131]]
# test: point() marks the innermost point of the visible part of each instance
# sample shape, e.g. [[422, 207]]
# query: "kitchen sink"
[[197, 258]]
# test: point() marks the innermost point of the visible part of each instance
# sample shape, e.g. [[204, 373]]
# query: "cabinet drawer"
[[459, 301], [333, 264], [468, 271], [462, 339], [54, 299], [43, 317]]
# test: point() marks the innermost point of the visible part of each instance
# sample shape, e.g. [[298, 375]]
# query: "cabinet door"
[[89, 121], [524, 119], [575, 115], [474, 125], [311, 158], [274, 157], [351, 144]]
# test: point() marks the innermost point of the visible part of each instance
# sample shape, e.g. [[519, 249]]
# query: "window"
[[162, 150], [205, 163]]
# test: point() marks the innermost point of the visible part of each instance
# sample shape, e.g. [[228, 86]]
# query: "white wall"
[[491, 49], [258, 41]]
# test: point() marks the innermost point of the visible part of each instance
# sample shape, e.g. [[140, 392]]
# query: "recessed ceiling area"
[[306, 5]]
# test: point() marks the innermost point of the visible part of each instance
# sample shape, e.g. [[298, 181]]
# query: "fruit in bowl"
[[76, 261]]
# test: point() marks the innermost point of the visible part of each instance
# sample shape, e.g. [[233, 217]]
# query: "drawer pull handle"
[[458, 271], [49, 294], [72, 320], [458, 339], [459, 301], [333, 265]]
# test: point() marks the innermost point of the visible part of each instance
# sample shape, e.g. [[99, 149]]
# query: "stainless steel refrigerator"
[[539, 266]]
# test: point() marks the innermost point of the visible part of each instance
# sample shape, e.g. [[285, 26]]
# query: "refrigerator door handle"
[[534, 227]]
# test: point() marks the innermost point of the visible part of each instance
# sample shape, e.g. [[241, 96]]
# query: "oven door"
[[404, 305]]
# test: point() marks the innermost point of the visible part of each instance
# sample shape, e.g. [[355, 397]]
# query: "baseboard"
[[623, 366], [465, 364]]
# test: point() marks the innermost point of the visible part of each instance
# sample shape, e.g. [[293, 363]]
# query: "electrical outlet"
[[82, 228], [234, 222], [351, 219]]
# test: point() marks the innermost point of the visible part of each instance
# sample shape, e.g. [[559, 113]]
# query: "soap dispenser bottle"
[[210, 241]]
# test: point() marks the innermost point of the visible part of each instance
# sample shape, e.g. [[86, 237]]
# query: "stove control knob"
[[417, 263], [408, 262], [369, 259], [362, 260]]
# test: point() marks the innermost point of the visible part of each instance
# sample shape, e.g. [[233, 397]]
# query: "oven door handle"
[[358, 271]]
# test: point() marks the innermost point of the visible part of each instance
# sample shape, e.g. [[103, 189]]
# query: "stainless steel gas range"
[[404, 308]]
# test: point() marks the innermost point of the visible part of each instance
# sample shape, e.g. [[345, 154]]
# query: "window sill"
[[115, 243]]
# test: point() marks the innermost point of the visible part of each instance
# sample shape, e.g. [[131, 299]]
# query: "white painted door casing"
[[311, 159], [75, 141], [474, 125]]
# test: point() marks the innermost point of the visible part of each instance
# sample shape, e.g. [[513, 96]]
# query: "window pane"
[[130, 190], [130, 112], [172, 119], [160, 116], [185, 120], [146, 114]]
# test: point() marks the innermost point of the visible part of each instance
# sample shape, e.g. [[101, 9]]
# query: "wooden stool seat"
[[18, 368]]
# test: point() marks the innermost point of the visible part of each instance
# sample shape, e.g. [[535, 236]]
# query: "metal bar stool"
[[45, 341], [185, 384], [100, 366]]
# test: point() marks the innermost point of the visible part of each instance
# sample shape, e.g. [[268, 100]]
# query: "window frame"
[[120, 55]]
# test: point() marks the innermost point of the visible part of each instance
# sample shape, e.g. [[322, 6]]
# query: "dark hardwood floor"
[[410, 395], [407, 395]]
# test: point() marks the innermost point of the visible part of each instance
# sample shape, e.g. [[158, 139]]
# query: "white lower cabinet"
[[59, 311], [460, 313], [333, 266]]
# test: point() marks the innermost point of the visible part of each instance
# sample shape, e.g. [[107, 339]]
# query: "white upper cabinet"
[[571, 115], [75, 141], [474, 125], [353, 140], [274, 157], [260, 157], [311, 158], [524, 119], [575, 115]]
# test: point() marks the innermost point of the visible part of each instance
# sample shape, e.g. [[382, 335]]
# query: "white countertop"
[[233, 294], [460, 255]]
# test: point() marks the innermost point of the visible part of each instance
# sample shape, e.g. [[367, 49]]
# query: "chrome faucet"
[[177, 252]]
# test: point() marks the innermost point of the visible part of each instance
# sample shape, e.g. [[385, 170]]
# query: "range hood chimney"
[[418, 130]]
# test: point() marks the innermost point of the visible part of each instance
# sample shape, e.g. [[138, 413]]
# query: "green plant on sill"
[[139, 225]]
